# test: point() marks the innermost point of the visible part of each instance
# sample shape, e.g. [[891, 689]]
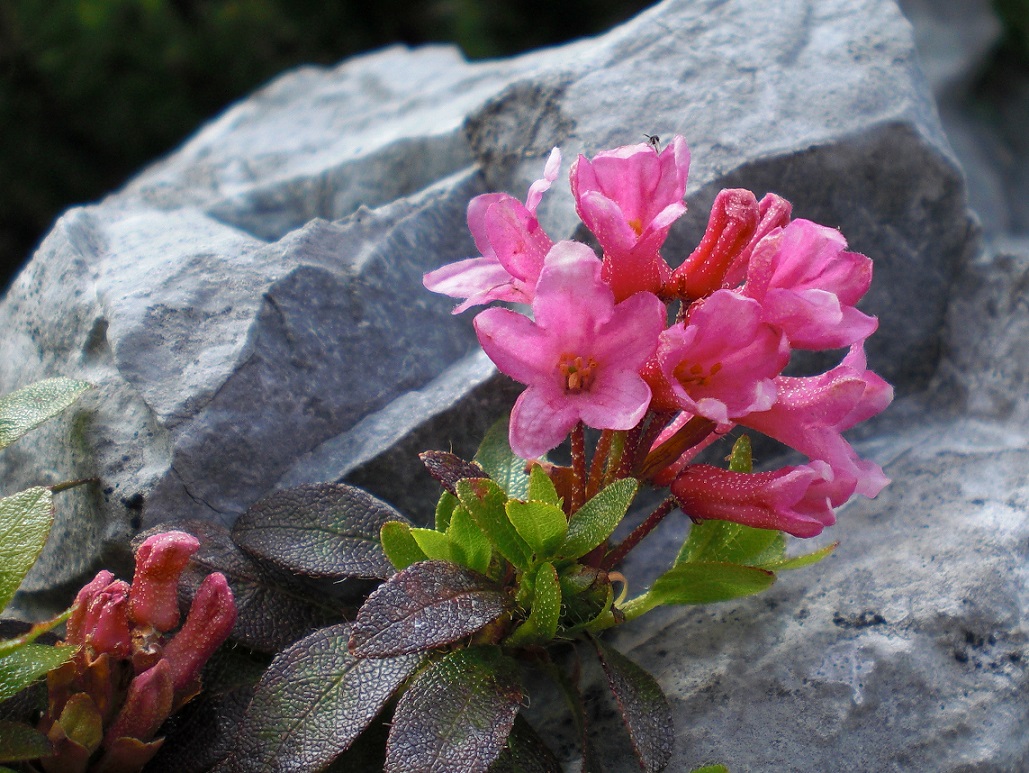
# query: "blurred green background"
[[91, 90]]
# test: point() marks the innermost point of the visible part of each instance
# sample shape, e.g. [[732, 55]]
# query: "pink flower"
[[808, 284], [580, 357], [720, 365], [629, 197], [811, 413], [797, 500], [512, 244], [735, 215], [209, 623], [154, 598]]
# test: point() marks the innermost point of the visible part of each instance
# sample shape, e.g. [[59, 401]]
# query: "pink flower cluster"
[[132, 669], [598, 348]]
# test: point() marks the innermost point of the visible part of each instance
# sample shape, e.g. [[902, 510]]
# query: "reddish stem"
[[578, 467], [658, 421], [616, 556], [599, 463]]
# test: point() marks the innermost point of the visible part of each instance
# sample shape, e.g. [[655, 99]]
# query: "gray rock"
[[251, 311]]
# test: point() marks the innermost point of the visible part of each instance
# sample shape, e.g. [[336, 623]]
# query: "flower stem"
[[615, 456], [649, 523], [599, 462], [578, 467], [658, 421]]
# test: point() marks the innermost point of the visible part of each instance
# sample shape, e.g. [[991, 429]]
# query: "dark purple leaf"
[[312, 702], [427, 605], [274, 609], [456, 715], [525, 752], [448, 468], [643, 706], [204, 731], [323, 530]]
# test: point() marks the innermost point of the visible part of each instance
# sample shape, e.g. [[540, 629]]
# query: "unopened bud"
[[208, 624], [147, 705], [775, 213], [75, 633], [734, 217], [105, 625], [159, 563]]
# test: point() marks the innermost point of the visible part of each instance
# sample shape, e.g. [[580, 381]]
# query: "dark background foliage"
[[91, 90]]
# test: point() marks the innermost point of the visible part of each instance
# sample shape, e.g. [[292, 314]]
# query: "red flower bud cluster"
[[132, 669]]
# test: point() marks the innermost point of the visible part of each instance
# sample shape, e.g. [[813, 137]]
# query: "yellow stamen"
[[578, 372]]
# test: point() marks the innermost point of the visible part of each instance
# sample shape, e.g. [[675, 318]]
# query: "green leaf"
[[500, 462], [542, 526], [25, 521], [37, 630], [456, 715], [427, 605], [23, 666], [444, 510], [471, 546], [313, 701], [797, 562], [30, 406], [320, 530], [541, 487], [20, 742], [586, 594], [732, 543], [740, 458], [486, 504], [541, 625], [399, 545], [643, 706], [711, 769], [594, 522], [707, 582], [435, 546]]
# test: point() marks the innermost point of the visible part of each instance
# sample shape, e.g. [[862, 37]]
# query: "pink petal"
[[618, 400], [541, 186], [517, 346], [478, 280], [540, 420], [570, 296]]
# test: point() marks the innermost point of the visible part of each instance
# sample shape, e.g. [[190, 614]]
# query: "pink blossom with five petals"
[[721, 363], [580, 356], [512, 244], [808, 283], [629, 197]]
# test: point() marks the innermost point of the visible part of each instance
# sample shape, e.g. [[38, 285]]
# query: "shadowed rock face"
[[251, 311]]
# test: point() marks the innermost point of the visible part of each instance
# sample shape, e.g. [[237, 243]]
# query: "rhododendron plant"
[[633, 373]]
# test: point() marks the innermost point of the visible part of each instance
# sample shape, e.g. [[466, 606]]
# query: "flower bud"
[[74, 631], [159, 564], [105, 625], [734, 217], [147, 705], [208, 624]]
